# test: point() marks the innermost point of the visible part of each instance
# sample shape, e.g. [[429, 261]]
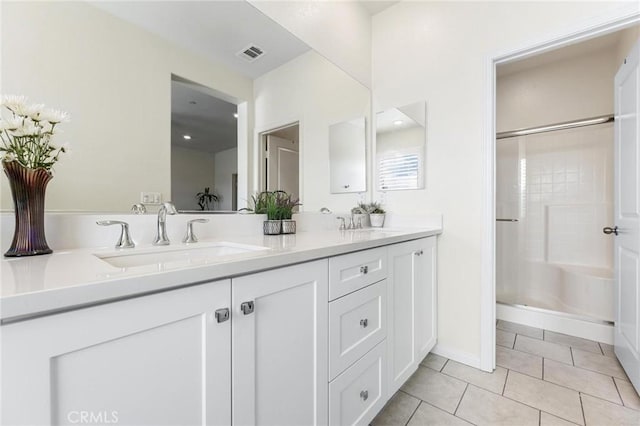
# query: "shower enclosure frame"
[[619, 19]]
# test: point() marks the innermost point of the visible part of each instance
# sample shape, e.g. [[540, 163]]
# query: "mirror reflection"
[[116, 82], [400, 147], [347, 146], [204, 149]]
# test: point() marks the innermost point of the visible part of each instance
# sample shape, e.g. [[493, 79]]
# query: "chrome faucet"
[[165, 209]]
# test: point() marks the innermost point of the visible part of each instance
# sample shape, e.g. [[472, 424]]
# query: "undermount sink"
[[196, 254]]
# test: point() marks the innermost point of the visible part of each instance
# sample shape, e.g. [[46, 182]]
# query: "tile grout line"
[[505, 382], [443, 366], [618, 390], [460, 402], [601, 350], [573, 362], [539, 417], [445, 411], [414, 412], [584, 419]]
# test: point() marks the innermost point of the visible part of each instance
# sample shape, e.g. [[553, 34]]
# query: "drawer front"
[[353, 271], [358, 394], [357, 323]]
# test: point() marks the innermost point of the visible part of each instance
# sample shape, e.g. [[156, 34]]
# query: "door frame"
[[261, 140], [602, 25]]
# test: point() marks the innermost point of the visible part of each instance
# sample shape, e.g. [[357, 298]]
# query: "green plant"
[[375, 208], [26, 135], [287, 203], [206, 198], [266, 202], [363, 208]]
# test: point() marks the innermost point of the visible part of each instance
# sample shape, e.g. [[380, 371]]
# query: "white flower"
[[12, 102], [54, 116], [27, 129], [8, 156], [12, 123]]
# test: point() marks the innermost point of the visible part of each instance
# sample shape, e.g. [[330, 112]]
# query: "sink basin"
[[197, 254]]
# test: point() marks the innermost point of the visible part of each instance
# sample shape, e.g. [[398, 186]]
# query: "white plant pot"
[[377, 220], [363, 218]]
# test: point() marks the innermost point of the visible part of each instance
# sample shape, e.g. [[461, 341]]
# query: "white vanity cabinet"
[[412, 312], [280, 346], [158, 359]]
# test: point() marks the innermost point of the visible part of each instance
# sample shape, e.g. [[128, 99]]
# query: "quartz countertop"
[[38, 285]]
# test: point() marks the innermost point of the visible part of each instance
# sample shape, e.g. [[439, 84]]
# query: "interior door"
[[627, 216], [282, 165]]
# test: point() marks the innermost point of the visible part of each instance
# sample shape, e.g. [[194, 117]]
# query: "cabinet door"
[[157, 359], [412, 310], [279, 346], [425, 297]]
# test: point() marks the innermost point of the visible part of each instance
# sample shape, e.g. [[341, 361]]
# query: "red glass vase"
[[28, 190]]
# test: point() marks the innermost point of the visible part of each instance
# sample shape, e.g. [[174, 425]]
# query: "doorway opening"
[[551, 186], [280, 159]]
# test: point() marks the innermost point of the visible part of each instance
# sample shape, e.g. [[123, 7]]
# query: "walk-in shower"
[[554, 195]]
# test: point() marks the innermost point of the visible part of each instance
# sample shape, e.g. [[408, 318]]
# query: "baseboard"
[[560, 324], [456, 355]]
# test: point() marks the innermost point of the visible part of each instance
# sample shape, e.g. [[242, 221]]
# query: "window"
[[399, 171]]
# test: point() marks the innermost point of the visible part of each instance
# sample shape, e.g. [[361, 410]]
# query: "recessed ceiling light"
[[187, 137], [397, 122], [235, 114]]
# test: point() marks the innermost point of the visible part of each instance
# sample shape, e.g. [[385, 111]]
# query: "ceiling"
[[376, 6], [216, 30], [209, 121], [408, 116]]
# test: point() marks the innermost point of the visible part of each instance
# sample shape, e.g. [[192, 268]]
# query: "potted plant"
[[287, 204], [360, 214], [207, 198], [266, 202], [28, 156], [376, 214]]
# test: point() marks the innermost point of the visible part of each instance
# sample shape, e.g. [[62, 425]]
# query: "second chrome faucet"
[[165, 209]]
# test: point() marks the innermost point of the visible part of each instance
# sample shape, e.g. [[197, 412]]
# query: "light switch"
[[150, 197]]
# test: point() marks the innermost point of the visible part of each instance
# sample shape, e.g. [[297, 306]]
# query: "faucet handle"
[[125, 239], [342, 223], [138, 208], [190, 237]]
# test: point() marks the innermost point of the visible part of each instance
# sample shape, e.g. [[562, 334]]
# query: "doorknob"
[[608, 230]]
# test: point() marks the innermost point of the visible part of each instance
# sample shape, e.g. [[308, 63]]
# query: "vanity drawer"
[[349, 272], [358, 394], [357, 322]]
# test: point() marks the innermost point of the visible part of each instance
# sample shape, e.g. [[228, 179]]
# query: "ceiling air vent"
[[250, 53]]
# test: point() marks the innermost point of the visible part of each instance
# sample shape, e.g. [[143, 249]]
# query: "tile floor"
[[541, 378]]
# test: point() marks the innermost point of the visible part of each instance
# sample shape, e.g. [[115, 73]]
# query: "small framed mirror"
[[401, 136], [347, 156]]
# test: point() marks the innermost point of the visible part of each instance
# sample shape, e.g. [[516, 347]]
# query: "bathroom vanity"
[[320, 328]]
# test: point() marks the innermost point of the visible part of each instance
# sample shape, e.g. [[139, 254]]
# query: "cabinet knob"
[[364, 395], [346, 186], [364, 323], [247, 307], [419, 253], [222, 314], [364, 269]]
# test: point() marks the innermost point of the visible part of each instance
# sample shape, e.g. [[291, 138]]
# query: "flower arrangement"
[[25, 135], [371, 208]]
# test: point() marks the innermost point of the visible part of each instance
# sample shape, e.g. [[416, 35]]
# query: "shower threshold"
[[559, 313]]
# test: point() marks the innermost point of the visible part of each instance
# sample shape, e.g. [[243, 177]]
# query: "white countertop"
[[45, 284]]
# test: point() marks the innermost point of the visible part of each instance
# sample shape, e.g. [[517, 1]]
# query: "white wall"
[[114, 79], [191, 171], [347, 148], [569, 89], [338, 30], [318, 94], [420, 53], [226, 164]]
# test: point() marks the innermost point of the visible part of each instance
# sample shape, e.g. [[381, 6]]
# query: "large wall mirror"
[[113, 67], [401, 147]]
